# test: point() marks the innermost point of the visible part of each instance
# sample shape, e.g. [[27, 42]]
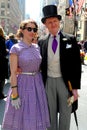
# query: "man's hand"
[[73, 98], [19, 71], [75, 94]]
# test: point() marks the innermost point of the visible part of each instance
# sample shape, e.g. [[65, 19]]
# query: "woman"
[[26, 107], [3, 63]]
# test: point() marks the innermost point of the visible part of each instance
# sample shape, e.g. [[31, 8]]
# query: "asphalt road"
[[81, 112]]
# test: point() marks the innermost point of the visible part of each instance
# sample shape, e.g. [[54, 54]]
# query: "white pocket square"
[[68, 46]]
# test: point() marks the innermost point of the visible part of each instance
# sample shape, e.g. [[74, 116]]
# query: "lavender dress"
[[33, 113]]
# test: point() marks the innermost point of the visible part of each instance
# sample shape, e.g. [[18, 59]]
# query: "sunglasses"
[[29, 29]]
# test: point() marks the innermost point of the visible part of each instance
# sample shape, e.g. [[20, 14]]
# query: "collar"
[[58, 33]]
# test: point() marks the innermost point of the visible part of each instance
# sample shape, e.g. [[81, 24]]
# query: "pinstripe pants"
[[57, 95]]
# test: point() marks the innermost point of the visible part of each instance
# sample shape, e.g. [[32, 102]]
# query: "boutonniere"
[[64, 39]]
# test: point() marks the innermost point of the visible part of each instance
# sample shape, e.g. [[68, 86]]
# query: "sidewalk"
[[2, 103], [81, 112], [82, 102]]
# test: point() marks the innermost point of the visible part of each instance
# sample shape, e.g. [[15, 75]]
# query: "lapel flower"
[[64, 39]]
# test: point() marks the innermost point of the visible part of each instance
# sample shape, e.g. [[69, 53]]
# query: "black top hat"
[[50, 11]]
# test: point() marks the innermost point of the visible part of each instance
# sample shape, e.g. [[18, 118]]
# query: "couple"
[[26, 106]]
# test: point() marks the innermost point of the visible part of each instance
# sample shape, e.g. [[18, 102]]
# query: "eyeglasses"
[[29, 29]]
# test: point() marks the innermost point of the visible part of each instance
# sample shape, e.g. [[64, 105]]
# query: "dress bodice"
[[29, 57]]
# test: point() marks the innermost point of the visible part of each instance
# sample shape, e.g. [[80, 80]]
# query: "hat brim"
[[57, 16]]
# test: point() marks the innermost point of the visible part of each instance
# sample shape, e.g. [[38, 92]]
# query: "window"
[[78, 37], [85, 5], [79, 25], [8, 5], [2, 5], [85, 29], [2, 12]]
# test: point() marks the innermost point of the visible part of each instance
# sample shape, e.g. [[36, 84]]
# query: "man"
[[61, 70]]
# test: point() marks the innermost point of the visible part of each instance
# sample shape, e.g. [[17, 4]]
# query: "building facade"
[[82, 23], [11, 14], [77, 24]]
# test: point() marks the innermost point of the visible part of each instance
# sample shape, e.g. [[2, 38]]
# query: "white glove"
[[73, 98], [70, 100], [16, 103]]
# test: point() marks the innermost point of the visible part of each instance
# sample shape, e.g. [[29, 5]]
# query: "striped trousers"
[[60, 112]]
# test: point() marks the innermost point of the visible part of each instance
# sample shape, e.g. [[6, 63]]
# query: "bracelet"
[[13, 97], [14, 86]]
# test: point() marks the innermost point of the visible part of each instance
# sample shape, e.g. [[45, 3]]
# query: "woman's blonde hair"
[[2, 32]]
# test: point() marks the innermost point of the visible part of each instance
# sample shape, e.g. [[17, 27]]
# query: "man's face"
[[53, 25]]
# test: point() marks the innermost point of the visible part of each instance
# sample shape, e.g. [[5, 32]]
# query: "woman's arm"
[[13, 69]]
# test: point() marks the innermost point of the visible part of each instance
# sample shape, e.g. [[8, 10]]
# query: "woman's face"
[[29, 32]]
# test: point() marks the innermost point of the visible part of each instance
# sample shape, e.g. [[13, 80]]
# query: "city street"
[[82, 109], [81, 112]]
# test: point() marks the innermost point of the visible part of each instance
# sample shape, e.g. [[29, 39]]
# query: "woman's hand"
[[15, 100], [16, 103]]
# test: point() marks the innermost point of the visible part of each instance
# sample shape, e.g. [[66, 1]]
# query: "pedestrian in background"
[[26, 106], [11, 41], [3, 63], [61, 69], [85, 46], [18, 35], [82, 51]]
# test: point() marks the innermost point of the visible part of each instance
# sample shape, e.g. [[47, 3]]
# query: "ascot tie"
[[54, 44]]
